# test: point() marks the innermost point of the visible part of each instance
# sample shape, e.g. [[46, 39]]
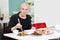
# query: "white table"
[[41, 37]]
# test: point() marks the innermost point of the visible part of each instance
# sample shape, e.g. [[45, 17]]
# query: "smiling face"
[[24, 8]]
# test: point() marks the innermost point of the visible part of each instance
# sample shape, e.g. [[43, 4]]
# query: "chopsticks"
[[20, 23]]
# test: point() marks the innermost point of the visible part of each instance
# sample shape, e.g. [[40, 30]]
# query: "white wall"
[[5, 8], [0, 8], [47, 10]]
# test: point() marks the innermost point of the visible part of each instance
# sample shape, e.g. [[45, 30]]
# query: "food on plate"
[[25, 32], [21, 33], [36, 32], [44, 31]]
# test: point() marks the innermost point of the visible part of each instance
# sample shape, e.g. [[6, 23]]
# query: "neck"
[[22, 16]]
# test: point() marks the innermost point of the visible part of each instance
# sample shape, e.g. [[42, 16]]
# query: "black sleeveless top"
[[26, 23]]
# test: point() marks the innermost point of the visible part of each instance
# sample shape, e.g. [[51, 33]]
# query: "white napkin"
[[15, 32]]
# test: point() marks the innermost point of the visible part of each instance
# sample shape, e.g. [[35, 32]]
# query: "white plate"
[[29, 31]]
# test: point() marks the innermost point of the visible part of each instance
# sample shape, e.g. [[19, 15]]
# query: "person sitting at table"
[[23, 17]]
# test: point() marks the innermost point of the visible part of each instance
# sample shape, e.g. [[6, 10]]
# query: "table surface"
[[31, 37]]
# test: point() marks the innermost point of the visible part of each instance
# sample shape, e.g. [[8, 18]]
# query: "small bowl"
[[29, 31]]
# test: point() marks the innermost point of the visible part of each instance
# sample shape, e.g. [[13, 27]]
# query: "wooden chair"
[[5, 31]]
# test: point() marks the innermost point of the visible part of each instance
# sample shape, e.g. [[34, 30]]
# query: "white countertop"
[[30, 37]]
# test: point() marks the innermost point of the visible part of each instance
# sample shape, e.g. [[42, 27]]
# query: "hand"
[[18, 26]]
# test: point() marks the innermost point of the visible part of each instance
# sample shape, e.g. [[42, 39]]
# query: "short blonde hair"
[[25, 4]]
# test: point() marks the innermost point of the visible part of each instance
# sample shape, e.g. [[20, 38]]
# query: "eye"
[[22, 8]]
